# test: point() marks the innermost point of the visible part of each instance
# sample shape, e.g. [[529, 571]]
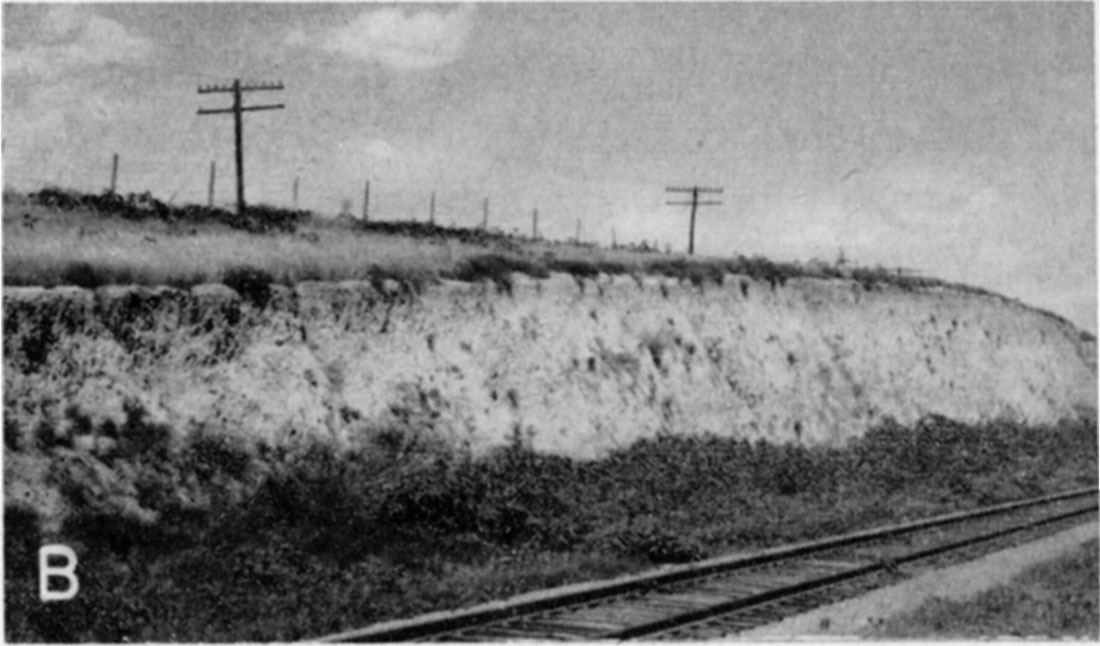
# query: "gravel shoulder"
[[857, 617]]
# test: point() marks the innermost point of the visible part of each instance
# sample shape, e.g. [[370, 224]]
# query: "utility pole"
[[295, 192], [535, 225], [237, 110], [114, 173], [431, 209], [695, 203], [210, 188]]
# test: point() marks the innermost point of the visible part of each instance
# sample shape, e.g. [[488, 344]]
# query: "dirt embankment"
[[573, 367]]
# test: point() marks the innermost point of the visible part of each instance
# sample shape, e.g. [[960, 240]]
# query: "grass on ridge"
[[64, 241]]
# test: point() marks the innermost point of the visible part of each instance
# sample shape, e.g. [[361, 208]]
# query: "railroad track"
[[725, 595]]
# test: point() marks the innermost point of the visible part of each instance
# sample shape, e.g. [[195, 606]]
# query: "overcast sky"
[[955, 139]]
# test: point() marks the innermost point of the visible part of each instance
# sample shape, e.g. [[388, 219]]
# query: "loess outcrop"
[[570, 366]]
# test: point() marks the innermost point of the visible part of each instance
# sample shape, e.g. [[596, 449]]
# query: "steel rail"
[[683, 619], [447, 621]]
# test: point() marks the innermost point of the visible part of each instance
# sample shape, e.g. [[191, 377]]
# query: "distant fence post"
[[366, 202], [114, 173], [210, 188]]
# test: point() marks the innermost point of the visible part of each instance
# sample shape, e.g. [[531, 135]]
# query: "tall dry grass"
[[89, 249], [47, 246], [60, 246]]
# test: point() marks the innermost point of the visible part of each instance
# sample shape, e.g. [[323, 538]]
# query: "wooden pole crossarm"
[[210, 89], [262, 87], [251, 108], [676, 189]]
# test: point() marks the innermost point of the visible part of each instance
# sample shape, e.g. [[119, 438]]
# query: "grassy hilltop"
[[55, 237]]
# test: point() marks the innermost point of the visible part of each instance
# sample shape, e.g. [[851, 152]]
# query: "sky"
[[956, 140]]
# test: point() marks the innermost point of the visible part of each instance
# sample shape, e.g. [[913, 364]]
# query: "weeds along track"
[[729, 594]]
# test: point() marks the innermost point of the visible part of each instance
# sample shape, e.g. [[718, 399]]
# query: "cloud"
[[60, 126], [411, 162], [417, 41], [380, 150], [296, 38], [72, 38]]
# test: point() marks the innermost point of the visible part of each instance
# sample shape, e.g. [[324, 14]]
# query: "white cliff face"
[[572, 371]]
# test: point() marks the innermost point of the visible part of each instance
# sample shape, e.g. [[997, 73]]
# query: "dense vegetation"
[[143, 206], [212, 539], [1055, 600]]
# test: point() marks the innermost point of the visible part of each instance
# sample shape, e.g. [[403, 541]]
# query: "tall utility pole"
[[295, 196], [237, 110], [695, 203], [431, 210], [535, 225]]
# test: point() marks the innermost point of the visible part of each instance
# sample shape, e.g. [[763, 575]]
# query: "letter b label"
[[66, 571]]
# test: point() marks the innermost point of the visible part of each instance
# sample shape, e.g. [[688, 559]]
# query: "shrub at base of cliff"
[[653, 543], [211, 540]]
